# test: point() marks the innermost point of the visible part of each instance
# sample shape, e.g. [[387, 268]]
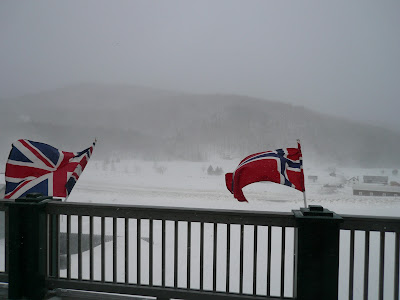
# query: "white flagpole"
[[304, 193]]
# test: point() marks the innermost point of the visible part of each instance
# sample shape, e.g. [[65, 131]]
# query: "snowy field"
[[187, 184]]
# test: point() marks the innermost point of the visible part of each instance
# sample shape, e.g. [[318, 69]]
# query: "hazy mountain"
[[158, 124]]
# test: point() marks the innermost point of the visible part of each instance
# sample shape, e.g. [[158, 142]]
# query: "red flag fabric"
[[283, 166]]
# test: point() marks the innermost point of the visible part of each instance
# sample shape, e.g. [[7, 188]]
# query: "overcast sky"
[[341, 57]]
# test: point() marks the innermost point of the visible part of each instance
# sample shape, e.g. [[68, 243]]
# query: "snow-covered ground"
[[187, 184]]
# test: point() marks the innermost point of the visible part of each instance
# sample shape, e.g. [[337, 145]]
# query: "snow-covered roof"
[[353, 178], [376, 187]]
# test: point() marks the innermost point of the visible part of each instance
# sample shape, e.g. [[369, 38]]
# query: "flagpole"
[[304, 192]]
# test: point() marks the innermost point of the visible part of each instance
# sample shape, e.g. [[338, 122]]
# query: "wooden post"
[[27, 248], [316, 254]]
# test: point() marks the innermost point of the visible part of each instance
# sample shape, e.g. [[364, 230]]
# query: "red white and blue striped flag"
[[34, 167], [283, 166]]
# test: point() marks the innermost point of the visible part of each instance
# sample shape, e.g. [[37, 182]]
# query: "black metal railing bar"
[[381, 263], [397, 266], [126, 228], [79, 247], [366, 264], [91, 255], [5, 233], [269, 262], [282, 291], [255, 238], [351, 265]]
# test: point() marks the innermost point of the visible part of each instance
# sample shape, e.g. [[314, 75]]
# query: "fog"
[[338, 58]]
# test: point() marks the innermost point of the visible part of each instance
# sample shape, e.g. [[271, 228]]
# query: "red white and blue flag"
[[34, 167], [283, 166]]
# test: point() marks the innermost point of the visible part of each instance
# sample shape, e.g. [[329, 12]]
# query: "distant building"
[[313, 178], [376, 179], [376, 190], [353, 180]]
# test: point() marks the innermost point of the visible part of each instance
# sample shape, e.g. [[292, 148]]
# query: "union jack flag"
[[34, 167], [283, 166]]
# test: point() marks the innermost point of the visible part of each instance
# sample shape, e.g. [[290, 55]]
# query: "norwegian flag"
[[34, 167], [283, 166]]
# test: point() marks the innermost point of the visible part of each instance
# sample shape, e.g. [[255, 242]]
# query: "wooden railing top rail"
[[3, 204], [370, 223], [173, 213], [350, 222]]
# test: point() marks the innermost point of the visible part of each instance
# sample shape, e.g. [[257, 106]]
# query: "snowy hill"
[[157, 124]]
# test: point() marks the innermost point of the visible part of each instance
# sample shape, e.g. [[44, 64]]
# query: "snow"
[[187, 184]]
